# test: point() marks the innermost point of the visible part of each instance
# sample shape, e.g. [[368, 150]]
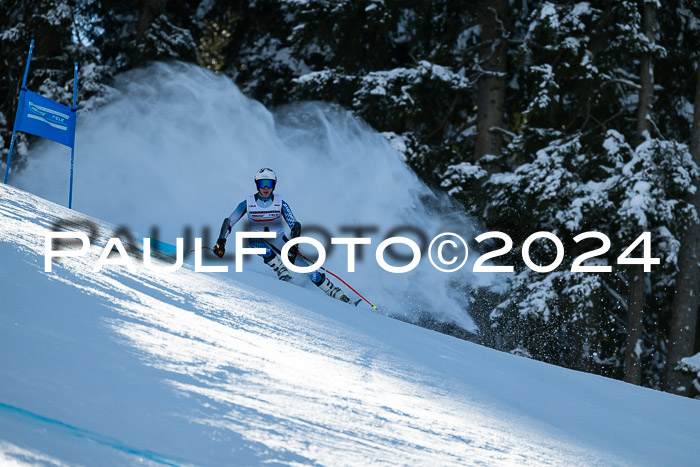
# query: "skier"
[[265, 212]]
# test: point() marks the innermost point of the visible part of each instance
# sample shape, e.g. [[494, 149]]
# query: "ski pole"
[[325, 270], [337, 277]]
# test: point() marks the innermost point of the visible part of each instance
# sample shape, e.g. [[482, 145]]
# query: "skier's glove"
[[219, 249], [296, 230]]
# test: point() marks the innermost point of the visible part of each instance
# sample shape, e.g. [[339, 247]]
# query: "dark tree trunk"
[[635, 309], [149, 10], [635, 326], [492, 83], [646, 74], [684, 314]]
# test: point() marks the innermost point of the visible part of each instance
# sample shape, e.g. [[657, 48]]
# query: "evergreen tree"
[[683, 334], [52, 25], [577, 170], [404, 67], [131, 33]]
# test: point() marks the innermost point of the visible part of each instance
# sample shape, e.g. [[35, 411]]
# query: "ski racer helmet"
[[265, 178]]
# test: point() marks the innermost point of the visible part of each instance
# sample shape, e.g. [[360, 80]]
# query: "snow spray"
[[179, 146]]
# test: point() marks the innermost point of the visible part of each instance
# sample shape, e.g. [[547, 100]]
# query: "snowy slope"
[[240, 369]]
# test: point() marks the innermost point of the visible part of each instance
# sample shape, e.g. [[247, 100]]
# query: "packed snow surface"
[[120, 367]]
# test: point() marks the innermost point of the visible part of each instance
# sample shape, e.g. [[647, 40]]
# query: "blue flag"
[[43, 117]]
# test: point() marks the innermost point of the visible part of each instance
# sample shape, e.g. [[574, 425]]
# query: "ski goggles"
[[265, 183]]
